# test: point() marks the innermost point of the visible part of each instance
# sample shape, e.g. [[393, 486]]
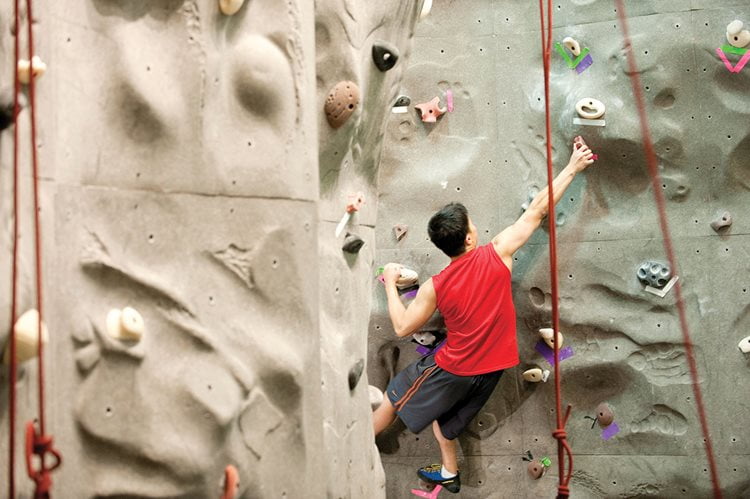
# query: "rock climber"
[[473, 294]]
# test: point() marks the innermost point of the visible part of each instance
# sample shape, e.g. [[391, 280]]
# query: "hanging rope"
[[653, 169], [559, 434], [37, 442]]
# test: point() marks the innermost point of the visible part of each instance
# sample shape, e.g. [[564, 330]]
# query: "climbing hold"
[[449, 100], [27, 337], [722, 221], [26, 68], [355, 373], [341, 103], [590, 109], [384, 55], [654, 274], [352, 243], [426, 8], [230, 7], [354, 203], [536, 375], [408, 278], [536, 469], [604, 415], [7, 116], [431, 111], [572, 45], [736, 36], [546, 334], [401, 105], [399, 230], [230, 482], [376, 397], [745, 345], [126, 324], [426, 338]]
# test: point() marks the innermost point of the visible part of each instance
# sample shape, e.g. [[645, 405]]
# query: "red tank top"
[[475, 299]]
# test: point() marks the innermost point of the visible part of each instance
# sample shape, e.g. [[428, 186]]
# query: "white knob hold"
[[736, 36], [376, 397], [25, 69], [536, 375], [408, 278], [590, 109], [745, 345], [426, 8], [27, 337], [230, 7], [546, 334], [572, 45], [126, 324]]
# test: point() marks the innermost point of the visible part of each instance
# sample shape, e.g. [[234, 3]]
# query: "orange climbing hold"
[[231, 482], [41, 445]]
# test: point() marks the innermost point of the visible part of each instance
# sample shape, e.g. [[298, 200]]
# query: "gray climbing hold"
[[654, 274], [7, 117], [352, 243], [384, 55], [402, 100], [722, 221], [399, 230], [355, 373]]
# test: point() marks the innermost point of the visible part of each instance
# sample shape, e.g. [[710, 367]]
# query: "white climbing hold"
[[230, 7], [426, 8], [27, 337], [408, 278], [126, 324], [376, 397], [25, 69], [546, 334], [536, 375], [736, 36], [572, 45], [745, 345], [590, 109]]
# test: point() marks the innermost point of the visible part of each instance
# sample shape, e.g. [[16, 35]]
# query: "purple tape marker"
[[584, 64], [610, 431], [549, 354], [410, 294], [423, 350]]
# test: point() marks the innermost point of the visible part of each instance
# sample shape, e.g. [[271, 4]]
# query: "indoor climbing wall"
[[206, 304], [180, 189], [624, 344]]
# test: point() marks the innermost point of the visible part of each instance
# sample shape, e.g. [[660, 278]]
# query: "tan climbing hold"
[[546, 334], [604, 415], [126, 324], [341, 103], [572, 45], [408, 278], [27, 337], [431, 111], [230, 7], [426, 8], [745, 345], [536, 375], [590, 109], [25, 68], [736, 36], [536, 469]]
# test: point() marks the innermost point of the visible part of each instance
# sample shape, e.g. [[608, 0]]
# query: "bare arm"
[[512, 238], [407, 320]]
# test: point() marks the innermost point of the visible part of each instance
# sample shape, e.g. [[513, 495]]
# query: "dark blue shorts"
[[423, 393]]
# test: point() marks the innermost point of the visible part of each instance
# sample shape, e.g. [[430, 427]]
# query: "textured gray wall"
[[489, 153]]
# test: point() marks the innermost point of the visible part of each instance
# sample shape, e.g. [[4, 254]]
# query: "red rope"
[[656, 182], [559, 434], [14, 272]]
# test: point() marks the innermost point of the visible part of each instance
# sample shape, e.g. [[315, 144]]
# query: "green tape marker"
[[546, 462], [734, 50]]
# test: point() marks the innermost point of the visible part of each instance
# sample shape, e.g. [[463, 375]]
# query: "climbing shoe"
[[431, 474]]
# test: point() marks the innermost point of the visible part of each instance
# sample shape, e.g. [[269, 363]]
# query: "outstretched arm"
[[407, 320], [512, 238]]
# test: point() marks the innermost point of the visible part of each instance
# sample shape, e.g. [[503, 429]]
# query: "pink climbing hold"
[[430, 111], [594, 157], [429, 495]]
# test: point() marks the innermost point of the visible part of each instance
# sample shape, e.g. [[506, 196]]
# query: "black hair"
[[448, 228]]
